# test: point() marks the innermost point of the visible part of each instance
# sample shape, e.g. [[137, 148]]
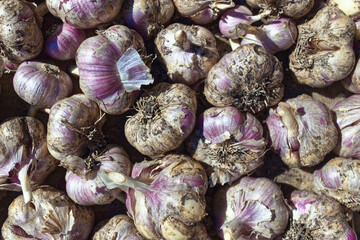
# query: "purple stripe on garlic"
[[229, 142], [74, 127], [302, 131], [64, 41], [252, 208], [24, 158], [100, 58], [41, 84], [83, 184], [188, 52]]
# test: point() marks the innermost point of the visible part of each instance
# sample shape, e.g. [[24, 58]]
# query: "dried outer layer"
[[188, 52], [201, 233], [252, 208], [50, 215], [41, 84], [20, 36], [119, 227], [97, 59], [229, 142], [317, 217], [85, 14], [202, 11], [165, 118], [24, 158], [347, 120], [172, 202], [74, 127], [148, 17], [83, 184], [248, 78], [302, 131], [323, 52], [340, 179]]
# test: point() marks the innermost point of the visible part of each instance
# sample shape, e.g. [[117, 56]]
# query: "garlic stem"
[[32, 111], [42, 9], [288, 119], [234, 43], [74, 70], [123, 180], [25, 182], [182, 40], [228, 235], [295, 177], [222, 5]]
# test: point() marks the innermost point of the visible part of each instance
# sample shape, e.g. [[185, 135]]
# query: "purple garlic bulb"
[[252, 208], [248, 78], [352, 82], [302, 131], [85, 14], [83, 184], [25, 161], [230, 143], [165, 197], [41, 84], [111, 69], [202, 11], [147, 17], [119, 227], [347, 119], [74, 127], [188, 52], [165, 118], [340, 179], [276, 36], [317, 217], [64, 41], [50, 215], [324, 49]]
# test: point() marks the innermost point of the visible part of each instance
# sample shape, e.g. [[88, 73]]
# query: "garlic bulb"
[[83, 184], [119, 227], [248, 78], [252, 208], [85, 14], [230, 143], [41, 84], [50, 215], [165, 197], [24, 158], [302, 131], [165, 118], [188, 52], [317, 217], [74, 127], [111, 68]]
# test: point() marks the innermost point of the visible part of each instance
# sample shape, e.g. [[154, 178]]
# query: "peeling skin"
[[50, 215], [324, 53], [165, 118]]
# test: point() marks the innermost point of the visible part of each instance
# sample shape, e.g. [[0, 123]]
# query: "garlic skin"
[[188, 52], [248, 78], [317, 217], [24, 158], [230, 143], [101, 77], [352, 81], [41, 84], [302, 131], [20, 36], [84, 186], [340, 179], [64, 41], [85, 14], [324, 52], [165, 118], [347, 117], [350, 7], [173, 199], [74, 127], [202, 11], [50, 215], [252, 208], [119, 227], [148, 17]]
